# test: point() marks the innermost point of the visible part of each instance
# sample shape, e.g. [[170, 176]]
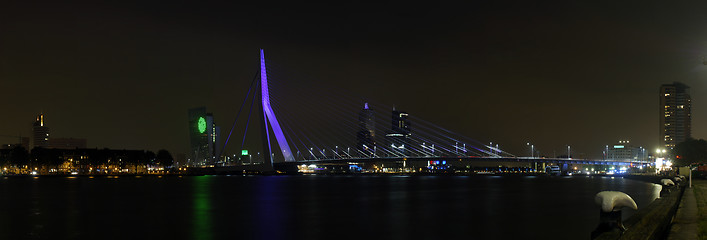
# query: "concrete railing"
[[652, 221]]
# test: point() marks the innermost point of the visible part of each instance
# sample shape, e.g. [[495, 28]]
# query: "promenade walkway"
[[690, 222]]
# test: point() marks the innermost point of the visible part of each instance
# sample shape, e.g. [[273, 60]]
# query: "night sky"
[[587, 74]]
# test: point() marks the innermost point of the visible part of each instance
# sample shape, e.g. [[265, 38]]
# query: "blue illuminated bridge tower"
[[428, 147], [269, 118]]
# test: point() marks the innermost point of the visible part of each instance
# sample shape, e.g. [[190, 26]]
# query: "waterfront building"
[[203, 137], [675, 114], [397, 139], [89, 161], [367, 131], [624, 151], [40, 133]]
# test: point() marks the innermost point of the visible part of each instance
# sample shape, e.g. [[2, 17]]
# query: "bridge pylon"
[[269, 120]]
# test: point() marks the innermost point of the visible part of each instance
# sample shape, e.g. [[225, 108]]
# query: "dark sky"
[[553, 73]]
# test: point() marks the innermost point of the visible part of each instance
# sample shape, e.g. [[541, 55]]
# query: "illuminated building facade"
[[367, 131], [203, 137], [399, 134], [40, 133], [675, 114], [625, 151]]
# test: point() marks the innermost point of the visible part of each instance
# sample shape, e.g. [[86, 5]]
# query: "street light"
[[660, 151], [643, 154], [491, 149], [456, 149], [568, 152], [532, 149]]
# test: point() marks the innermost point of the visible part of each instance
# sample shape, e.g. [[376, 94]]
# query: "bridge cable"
[[239, 113], [252, 102]]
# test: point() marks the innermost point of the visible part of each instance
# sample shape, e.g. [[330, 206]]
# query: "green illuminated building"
[[203, 137]]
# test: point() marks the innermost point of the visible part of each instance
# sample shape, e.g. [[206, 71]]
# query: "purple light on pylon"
[[269, 114], [365, 106]]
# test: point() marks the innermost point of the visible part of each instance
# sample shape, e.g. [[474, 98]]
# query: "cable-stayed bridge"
[[301, 122]]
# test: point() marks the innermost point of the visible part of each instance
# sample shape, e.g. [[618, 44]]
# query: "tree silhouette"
[[18, 156], [164, 158], [690, 151]]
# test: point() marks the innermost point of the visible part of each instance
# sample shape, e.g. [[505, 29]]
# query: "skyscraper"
[[675, 114], [203, 137], [367, 131], [399, 134], [40, 133]]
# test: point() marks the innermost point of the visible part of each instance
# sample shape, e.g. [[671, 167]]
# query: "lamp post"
[[606, 152], [568, 152], [532, 149], [491, 149], [643, 155], [660, 151]]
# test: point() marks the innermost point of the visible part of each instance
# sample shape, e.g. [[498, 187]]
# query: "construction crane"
[[19, 138]]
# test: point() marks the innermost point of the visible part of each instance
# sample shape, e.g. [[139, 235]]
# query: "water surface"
[[307, 207]]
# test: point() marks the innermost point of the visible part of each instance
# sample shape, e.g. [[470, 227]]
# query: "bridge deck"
[[486, 159]]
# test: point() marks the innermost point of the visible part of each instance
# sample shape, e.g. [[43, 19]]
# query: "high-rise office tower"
[[204, 137], [675, 114], [367, 131], [399, 134], [40, 133]]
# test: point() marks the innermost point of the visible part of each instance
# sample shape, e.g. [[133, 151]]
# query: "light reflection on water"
[[307, 207], [202, 208]]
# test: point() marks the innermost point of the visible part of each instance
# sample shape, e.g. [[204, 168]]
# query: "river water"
[[307, 207]]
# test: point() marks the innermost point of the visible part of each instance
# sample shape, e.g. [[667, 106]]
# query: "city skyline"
[[555, 75]]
